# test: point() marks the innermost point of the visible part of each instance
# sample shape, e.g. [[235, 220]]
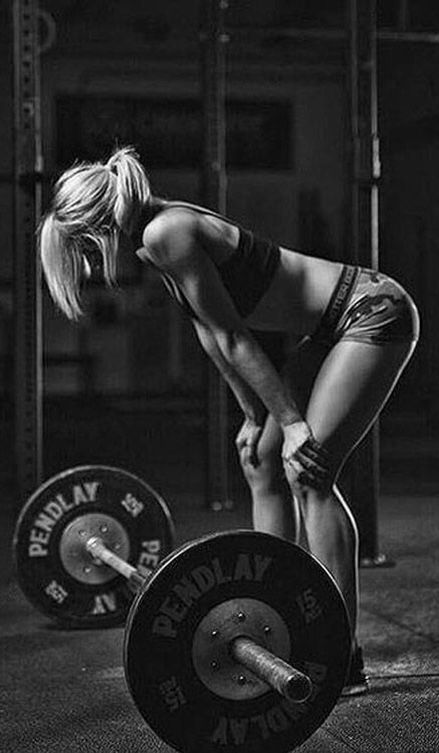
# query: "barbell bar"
[[238, 641], [96, 548]]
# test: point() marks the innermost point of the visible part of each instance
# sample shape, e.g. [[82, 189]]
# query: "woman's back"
[[273, 288]]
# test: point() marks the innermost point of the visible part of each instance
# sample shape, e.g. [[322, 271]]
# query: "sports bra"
[[246, 274]]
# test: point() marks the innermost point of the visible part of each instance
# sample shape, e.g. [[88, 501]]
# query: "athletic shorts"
[[368, 307]]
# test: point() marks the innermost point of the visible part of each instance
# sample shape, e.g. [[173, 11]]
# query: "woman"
[[357, 330]]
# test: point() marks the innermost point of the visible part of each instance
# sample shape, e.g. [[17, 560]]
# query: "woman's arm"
[[174, 244], [249, 402]]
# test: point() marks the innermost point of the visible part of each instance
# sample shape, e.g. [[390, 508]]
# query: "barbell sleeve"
[[99, 551], [280, 675]]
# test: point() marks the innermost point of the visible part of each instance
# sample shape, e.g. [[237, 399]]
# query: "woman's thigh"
[[340, 390], [347, 390]]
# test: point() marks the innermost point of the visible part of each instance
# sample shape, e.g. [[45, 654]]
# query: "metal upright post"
[[27, 274], [213, 74], [365, 174]]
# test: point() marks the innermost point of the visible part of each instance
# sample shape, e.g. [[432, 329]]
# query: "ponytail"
[[132, 188], [62, 263], [92, 203]]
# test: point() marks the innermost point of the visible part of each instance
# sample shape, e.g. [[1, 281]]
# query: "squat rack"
[[362, 36]]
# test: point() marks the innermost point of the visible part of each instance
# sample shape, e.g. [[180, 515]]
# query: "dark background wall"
[[129, 73]]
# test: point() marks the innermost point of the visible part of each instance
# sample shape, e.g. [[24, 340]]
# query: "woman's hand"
[[247, 442], [306, 462]]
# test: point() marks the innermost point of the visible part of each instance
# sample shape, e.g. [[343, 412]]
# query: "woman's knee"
[[267, 474]]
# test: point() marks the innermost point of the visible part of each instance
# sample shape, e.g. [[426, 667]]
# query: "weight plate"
[[164, 621], [52, 569]]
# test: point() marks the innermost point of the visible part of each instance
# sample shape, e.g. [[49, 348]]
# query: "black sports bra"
[[246, 274]]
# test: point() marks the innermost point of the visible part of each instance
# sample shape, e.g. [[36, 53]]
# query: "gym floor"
[[65, 690]]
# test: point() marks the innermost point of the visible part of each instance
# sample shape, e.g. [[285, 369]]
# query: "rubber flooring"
[[65, 692]]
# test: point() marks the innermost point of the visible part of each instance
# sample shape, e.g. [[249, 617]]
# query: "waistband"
[[339, 298]]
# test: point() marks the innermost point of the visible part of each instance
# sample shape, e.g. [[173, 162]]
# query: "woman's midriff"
[[298, 295]]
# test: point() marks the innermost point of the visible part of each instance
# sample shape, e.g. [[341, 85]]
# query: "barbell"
[[236, 641]]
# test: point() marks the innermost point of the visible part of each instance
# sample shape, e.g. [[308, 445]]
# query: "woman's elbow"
[[233, 342]]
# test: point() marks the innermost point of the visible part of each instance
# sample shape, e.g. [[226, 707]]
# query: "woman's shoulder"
[[175, 225], [170, 220], [179, 228]]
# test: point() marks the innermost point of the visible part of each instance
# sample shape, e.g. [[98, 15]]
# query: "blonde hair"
[[92, 203]]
